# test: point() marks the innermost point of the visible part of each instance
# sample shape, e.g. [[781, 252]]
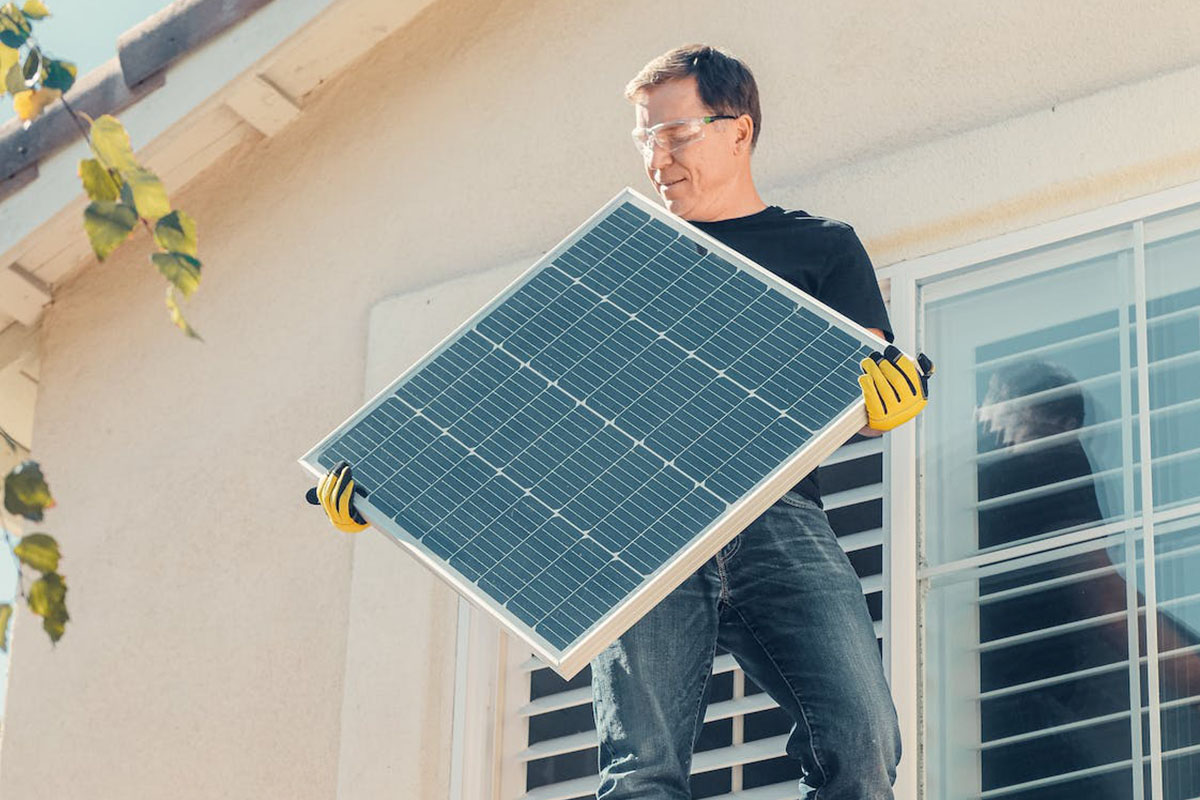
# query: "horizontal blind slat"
[[707, 761], [855, 450], [775, 791], [585, 739]]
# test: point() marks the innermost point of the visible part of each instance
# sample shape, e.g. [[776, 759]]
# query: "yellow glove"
[[335, 493], [893, 389]]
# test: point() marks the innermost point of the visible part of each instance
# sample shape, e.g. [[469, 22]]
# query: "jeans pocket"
[[798, 500]]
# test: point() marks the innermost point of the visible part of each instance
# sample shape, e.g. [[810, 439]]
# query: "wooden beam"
[[15, 342], [262, 104], [22, 294]]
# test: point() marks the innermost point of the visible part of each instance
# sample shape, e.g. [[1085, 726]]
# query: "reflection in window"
[[1037, 666], [1173, 339], [1034, 473], [1177, 572]]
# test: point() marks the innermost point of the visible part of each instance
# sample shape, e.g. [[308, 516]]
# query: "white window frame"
[[906, 572]]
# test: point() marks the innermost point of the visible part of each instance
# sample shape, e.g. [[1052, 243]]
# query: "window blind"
[[1054, 642]]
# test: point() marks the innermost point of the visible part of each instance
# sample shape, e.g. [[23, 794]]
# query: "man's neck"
[[744, 210], [743, 202]]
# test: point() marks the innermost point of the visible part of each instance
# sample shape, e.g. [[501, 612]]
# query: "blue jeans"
[[782, 598]]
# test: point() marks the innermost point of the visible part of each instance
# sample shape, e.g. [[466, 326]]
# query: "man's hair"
[[1056, 403], [726, 84]]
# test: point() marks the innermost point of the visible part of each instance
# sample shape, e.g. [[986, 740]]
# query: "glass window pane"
[[1173, 328], [1029, 677], [1177, 585], [1029, 432]]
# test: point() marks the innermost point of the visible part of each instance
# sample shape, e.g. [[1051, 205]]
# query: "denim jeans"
[[782, 598]]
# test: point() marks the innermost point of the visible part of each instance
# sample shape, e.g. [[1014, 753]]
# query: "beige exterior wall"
[[217, 648]]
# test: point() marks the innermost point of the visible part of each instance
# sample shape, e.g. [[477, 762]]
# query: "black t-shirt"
[[819, 256]]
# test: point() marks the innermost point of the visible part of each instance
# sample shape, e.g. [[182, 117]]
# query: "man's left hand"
[[893, 388]]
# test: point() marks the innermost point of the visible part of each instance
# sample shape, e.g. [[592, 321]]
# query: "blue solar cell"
[[696, 417], [595, 455], [627, 343], [564, 447], [594, 502], [561, 441], [745, 422], [494, 408], [641, 372], [695, 284], [704, 321], [663, 399], [575, 344], [744, 330]]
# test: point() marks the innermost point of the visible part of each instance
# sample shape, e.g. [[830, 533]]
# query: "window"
[[1062, 617]]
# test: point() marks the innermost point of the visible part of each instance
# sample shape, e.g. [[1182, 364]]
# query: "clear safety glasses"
[[674, 134]]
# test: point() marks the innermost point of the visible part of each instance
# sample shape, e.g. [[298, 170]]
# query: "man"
[[781, 596]]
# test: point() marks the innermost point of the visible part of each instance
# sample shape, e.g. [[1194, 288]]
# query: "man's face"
[[692, 181]]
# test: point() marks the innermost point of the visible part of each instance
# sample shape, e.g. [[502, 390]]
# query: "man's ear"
[[745, 133]]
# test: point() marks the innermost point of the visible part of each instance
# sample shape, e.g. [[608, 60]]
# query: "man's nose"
[[656, 155]]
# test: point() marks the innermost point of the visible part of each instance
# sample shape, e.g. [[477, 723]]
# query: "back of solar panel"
[[603, 426]]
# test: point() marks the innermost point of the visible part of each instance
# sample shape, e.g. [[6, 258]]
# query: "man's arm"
[[867, 430]]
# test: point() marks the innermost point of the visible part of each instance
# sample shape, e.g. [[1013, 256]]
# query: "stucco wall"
[[208, 647]]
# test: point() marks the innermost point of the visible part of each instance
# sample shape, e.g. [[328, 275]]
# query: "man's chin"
[[678, 206]]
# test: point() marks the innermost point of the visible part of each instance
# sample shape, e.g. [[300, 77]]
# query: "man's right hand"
[[335, 494]]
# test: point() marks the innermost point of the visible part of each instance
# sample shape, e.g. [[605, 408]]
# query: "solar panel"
[[603, 426]]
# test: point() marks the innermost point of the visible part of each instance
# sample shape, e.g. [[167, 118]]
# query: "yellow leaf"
[[46, 593], [29, 103], [177, 315], [35, 9], [149, 196], [48, 599], [24, 106], [180, 269], [14, 27], [110, 142], [6, 611], [107, 225], [97, 182], [8, 57], [14, 79], [39, 551]]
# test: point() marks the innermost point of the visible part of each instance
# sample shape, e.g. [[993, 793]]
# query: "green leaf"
[[39, 551], [14, 80], [176, 232], [107, 225], [48, 599], [177, 315], [14, 28], [59, 75], [35, 9], [127, 194], [149, 196], [97, 181], [26, 492], [5, 615], [110, 143], [180, 269]]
